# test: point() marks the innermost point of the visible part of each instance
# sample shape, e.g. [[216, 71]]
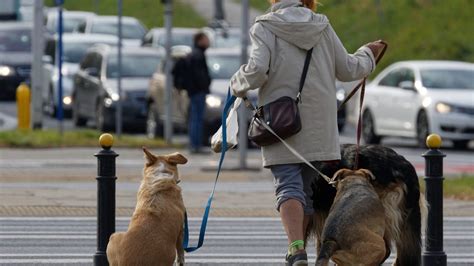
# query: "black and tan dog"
[[155, 234], [354, 230], [396, 183]]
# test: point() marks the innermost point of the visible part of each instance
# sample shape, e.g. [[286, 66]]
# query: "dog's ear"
[[367, 173], [175, 158], [341, 174], [149, 157]]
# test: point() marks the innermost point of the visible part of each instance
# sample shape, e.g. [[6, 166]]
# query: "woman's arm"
[[255, 73], [350, 67]]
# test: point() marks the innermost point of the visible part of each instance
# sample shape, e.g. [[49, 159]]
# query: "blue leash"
[[229, 101]]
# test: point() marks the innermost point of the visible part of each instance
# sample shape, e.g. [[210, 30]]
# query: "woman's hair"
[[311, 4]]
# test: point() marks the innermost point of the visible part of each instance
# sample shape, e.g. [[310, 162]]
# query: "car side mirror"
[[47, 59], [407, 85], [92, 71]]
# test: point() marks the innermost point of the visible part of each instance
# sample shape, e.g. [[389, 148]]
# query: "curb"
[[63, 211]]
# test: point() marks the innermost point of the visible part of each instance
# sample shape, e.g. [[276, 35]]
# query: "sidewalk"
[[232, 10], [61, 182]]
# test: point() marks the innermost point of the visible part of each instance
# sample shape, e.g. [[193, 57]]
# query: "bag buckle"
[[298, 98]]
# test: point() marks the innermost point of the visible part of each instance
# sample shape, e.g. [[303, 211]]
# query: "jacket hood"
[[290, 21]]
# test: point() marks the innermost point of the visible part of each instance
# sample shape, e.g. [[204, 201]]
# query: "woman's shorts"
[[294, 181]]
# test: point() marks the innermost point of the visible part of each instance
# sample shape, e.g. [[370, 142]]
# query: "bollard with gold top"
[[23, 94], [434, 253], [105, 197]]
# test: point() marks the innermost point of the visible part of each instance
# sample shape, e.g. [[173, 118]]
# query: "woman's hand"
[[376, 47]]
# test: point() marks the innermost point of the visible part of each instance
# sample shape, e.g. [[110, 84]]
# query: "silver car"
[[74, 49]]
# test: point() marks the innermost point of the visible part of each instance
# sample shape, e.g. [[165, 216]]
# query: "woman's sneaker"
[[300, 259]]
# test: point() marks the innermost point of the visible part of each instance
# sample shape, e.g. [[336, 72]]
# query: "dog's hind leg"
[[328, 248], [180, 249]]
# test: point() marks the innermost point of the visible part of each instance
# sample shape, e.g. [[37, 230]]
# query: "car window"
[[129, 31], [227, 40], [133, 65], [223, 66], [447, 78], [70, 24], [394, 78], [15, 40], [178, 39]]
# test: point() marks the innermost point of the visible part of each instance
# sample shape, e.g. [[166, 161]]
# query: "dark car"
[[15, 57], [95, 93]]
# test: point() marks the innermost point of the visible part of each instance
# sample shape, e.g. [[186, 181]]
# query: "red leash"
[[361, 86]]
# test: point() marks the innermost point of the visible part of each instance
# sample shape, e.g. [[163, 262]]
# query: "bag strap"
[[303, 75]]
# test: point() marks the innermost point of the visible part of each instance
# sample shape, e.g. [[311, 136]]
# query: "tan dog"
[[155, 233], [354, 230]]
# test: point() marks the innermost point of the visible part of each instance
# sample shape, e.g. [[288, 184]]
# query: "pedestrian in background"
[[200, 81], [280, 41]]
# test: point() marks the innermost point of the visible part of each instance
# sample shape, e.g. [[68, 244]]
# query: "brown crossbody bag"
[[281, 115]]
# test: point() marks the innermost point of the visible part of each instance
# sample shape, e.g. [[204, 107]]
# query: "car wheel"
[[154, 127], [422, 129], [368, 132], [461, 144], [78, 120], [100, 120]]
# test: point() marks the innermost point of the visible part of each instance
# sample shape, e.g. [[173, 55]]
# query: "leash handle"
[[202, 232], [356, 88]]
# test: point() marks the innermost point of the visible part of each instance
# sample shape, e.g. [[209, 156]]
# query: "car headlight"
[[340, 95], [6, 71], [67, 100], [213, 101], [443, 108]]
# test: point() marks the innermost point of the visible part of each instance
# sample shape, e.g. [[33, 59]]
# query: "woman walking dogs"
[[280, 41]]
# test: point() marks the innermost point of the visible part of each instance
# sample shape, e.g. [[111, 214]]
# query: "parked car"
[[95, 93], [415, 98], [156, 37], [224, 37], [15, 57], [132, 29], [74, 48], [71, 19], [222, 64]]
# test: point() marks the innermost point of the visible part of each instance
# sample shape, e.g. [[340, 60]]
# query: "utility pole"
[[118, 112], [37, 66], [243, 139], [169, 81], [59, 58]]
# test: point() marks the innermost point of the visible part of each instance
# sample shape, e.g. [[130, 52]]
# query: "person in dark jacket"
[[198, 89]]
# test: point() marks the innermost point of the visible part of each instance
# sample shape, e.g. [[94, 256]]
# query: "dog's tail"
[[408, 238], [327, 250]]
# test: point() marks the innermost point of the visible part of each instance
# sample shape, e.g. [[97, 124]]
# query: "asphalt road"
[[229, 241]]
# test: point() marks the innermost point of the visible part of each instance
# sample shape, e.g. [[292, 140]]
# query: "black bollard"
[[105, 198], [434, 255]]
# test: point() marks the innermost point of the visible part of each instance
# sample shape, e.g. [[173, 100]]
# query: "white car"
[[416, 98], [132, 29], [71, 19]]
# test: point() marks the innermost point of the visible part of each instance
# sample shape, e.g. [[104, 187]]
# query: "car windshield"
[[228, 40], [178, 39], [129, 31], [70, 24], [223, 66], [15, 40], [133, 66], [74, 52], [447, 78]]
